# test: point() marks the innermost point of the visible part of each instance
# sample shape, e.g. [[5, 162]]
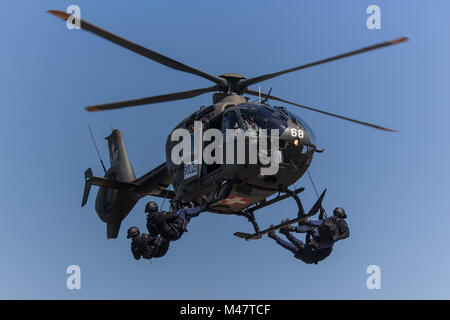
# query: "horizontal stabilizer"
[[138, 186], [103, 182], [114, 184]]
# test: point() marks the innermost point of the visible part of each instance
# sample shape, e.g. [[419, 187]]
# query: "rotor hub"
[[232, 79]]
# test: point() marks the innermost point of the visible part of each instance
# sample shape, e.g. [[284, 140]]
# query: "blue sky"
[[394, 186]]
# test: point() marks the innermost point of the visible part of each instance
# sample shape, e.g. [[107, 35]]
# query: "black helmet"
[[151, 206], [133, 232], [175, 204], [340, 213]]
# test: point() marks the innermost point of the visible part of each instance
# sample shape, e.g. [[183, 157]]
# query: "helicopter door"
[[213, 124], [230, 122]]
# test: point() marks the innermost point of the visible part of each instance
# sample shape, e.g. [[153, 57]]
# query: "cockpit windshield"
[[260, 117], [303, 123]]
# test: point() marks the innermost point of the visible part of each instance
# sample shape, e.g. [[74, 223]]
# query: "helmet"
[[151, 206], [175, 204], [340, 213], [133, 232]]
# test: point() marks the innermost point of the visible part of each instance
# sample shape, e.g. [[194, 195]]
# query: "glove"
[[303, 222]]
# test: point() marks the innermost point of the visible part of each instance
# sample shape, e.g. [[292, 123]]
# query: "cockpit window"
[[230, 121], [303, 123], [260, 117]]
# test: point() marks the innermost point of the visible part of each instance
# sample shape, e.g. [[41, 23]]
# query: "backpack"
[[329, 230], [344, 231]]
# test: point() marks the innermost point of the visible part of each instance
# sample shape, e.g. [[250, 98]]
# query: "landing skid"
[[257, 235], [301, 215]]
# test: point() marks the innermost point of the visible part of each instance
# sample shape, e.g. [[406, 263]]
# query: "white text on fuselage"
[[212, 153]]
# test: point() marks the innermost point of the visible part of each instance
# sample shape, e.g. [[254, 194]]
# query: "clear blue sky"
[[394, 186]]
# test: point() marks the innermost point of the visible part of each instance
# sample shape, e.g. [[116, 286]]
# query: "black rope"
[[312, 182], [96, 148], [315, 190], [165, 198]]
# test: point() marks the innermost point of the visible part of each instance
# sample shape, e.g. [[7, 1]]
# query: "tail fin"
[[113, 205], [118, 157], [119, 189]]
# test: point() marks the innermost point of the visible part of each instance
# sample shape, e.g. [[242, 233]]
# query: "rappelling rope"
[[312, 182], [164, 201], [315, 190]]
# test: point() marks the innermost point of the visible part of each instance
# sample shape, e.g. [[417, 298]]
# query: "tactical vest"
[[329, 230], [344, 231]]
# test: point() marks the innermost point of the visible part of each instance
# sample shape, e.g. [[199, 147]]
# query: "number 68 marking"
[[297, 133]]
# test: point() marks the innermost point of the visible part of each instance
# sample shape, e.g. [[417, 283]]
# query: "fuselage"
[[197, 182]]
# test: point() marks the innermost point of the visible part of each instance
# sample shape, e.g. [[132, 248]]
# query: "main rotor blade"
[[149, 100], [153, 55], [255, 93], [248, 82]]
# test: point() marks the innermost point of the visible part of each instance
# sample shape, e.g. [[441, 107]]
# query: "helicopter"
[[222, 188]]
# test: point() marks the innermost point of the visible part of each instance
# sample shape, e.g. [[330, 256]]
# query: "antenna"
[[267, 96], [96, 148]]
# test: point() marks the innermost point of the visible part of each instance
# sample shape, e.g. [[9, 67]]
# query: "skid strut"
[[300, 217]]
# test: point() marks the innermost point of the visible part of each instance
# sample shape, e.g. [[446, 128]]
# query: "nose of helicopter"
[[299, 134], [298, 144]]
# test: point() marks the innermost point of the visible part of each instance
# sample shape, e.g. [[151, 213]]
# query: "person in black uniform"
[[146, 246], [324, 233], [301, 250], [321, 236], [170, 225]]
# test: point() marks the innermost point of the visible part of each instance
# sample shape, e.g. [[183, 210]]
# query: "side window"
[[190, 127], [230, 121]]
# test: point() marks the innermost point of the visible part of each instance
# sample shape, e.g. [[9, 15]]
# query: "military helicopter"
[[236, 189]]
